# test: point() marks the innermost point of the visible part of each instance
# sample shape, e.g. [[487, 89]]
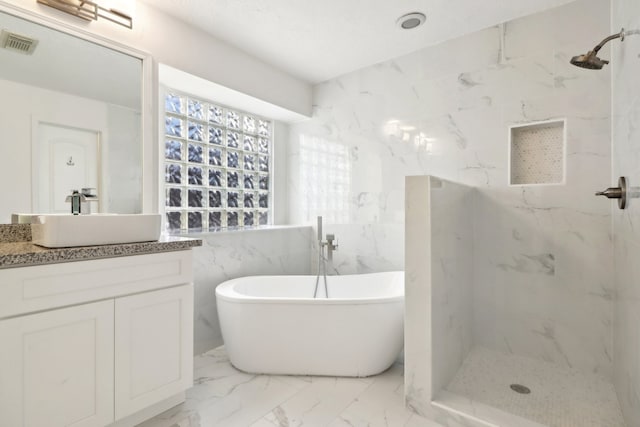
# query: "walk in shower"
[[521, 285], [512, 306]]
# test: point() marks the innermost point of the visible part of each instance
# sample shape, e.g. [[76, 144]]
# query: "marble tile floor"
[[224, 396], [559, 397]]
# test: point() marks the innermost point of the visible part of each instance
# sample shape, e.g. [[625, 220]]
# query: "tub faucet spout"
[[322, 261], [332, 245]]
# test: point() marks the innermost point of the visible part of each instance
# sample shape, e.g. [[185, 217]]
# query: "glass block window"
[[217, 162]]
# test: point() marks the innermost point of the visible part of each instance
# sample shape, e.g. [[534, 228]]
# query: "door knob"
[[619, 192]]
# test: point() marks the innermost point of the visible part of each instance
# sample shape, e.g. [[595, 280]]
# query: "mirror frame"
[[149, 154]]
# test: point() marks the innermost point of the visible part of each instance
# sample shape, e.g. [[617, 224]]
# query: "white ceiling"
[[322, 39]]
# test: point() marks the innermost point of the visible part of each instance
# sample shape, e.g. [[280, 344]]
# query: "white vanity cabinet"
[[56, 367], [154, 342], [95, 343]]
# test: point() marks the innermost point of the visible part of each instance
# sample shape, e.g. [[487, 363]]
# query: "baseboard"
[[150, 411]]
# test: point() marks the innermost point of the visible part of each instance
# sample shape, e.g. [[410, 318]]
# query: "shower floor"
[[559, 397]]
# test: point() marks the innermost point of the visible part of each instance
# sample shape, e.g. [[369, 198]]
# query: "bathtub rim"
[[225, 291]]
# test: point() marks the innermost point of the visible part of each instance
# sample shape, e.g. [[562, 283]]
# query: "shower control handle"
[[619, 192], [611, 193]]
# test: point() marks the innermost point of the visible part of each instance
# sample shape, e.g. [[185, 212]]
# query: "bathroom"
[[537, 272]]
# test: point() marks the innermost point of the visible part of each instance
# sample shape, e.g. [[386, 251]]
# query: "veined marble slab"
[[224, 396]]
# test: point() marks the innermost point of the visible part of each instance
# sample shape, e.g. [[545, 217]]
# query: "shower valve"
[[619, 192]]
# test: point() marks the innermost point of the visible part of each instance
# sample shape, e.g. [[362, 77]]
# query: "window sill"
[[235, 230]]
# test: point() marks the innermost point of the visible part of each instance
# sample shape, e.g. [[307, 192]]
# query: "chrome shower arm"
[[590, 59], [619, 35]]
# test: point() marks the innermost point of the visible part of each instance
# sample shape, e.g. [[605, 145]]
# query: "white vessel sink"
[[66, 230]]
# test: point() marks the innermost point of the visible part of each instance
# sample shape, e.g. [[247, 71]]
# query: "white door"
[[56, 368], [154, 347], [67, 159]]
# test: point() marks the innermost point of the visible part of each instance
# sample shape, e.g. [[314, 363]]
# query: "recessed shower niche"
[[537, 153]]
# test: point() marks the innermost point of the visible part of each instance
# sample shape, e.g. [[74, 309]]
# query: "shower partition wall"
[[438, 292], [455, 372]]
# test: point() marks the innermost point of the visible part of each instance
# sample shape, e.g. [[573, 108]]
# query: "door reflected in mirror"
[[70, 118], [66, 159]]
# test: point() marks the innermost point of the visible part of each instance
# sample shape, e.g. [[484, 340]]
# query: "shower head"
[[590, 59]]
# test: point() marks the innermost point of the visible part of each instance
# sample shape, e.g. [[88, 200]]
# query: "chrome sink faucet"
[[76, 198], [91, 197]]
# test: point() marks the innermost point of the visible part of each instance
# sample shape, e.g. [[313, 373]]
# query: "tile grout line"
[[285, 400], [355, 399]]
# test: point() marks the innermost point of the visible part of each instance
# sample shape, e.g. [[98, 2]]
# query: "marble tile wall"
[[543, 285], [418, 293], [452, 254], [439, 281], [625, 65], [542, 275], [227, 255]]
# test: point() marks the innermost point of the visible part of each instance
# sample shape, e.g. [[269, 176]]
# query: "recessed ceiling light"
[[411, 20]]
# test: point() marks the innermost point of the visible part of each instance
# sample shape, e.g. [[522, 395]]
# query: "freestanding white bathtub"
[[273, 325]]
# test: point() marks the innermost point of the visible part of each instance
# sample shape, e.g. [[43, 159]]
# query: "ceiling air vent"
[[17, 43]]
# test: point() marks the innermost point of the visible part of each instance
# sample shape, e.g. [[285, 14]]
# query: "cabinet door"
[[56, 368], [153, 347]]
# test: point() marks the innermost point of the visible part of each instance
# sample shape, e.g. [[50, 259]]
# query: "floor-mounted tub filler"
[[273, 325]]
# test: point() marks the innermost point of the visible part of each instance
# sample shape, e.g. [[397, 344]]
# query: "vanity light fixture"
[[90, 11], [411, 20]]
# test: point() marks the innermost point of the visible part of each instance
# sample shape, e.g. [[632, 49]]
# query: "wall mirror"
[[70, 118]]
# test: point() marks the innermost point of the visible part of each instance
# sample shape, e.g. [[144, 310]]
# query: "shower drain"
[[519, 388]]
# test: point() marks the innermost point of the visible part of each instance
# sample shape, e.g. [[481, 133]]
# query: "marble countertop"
[[18, 253]]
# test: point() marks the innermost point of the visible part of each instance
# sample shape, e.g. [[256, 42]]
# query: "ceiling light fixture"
[[411, 20], [90, 11]]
